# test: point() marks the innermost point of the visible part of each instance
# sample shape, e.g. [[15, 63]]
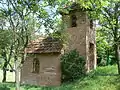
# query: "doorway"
[[91, 56]]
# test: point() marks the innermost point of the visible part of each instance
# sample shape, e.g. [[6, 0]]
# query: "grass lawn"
[[103, 78]]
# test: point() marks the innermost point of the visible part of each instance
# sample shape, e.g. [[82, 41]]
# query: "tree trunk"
[[4, 76], [4, 55], [4, 72], [6, 63], [108, 60], [17, 81], [117, 57]]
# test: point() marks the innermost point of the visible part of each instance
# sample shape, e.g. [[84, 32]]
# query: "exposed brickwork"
[[81, 37], [49, 74]]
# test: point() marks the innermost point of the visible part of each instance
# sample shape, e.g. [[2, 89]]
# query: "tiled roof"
[[44, 45]]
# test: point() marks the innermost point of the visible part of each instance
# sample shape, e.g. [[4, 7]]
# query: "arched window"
[[91, 24], [36, 65], [73, 21]]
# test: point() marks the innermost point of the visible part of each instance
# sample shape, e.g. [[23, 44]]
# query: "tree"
[[23, 17], [110, 20], [104, 42], [19, 26], [6, 47]]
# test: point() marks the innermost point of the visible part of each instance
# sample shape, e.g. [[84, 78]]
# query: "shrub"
[[4, 87], [73, 66]]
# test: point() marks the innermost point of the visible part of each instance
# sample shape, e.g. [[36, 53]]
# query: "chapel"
[[42, 65]]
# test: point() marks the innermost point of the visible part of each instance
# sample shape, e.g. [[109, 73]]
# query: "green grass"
[[103, 78]]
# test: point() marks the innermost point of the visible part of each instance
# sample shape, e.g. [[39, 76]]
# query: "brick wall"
[[50, 72]]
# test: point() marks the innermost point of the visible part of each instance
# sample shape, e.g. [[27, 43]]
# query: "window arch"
[[91, 24], [73, 21], [36, 65]]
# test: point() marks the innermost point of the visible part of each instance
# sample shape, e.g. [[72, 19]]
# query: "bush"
[[4, 87], [73, 66]]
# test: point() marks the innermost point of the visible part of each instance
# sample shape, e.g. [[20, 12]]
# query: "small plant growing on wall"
[[73, 66]]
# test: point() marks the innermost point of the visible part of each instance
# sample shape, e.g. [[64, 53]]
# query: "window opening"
[[91, 24], [91, 56], [36, 65], [74, 19]]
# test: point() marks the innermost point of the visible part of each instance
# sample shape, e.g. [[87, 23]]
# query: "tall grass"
[[103, 78]]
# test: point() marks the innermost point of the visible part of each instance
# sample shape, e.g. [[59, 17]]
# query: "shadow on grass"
[[64, 86], [7, 85]]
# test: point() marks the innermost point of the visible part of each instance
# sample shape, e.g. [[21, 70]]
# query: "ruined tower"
[[81, 34]]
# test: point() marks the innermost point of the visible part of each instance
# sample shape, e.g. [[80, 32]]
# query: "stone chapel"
[[42, 65]]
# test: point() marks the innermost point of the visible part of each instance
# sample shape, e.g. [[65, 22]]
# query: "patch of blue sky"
[[3, 4]]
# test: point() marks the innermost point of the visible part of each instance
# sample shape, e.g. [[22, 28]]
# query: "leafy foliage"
[[73, 66], [109, 15], [59, 32], [105, 51]]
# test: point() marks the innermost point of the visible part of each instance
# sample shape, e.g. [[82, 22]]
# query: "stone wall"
[[80, 38], [90, 46], [77, 40], [50, 71]]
